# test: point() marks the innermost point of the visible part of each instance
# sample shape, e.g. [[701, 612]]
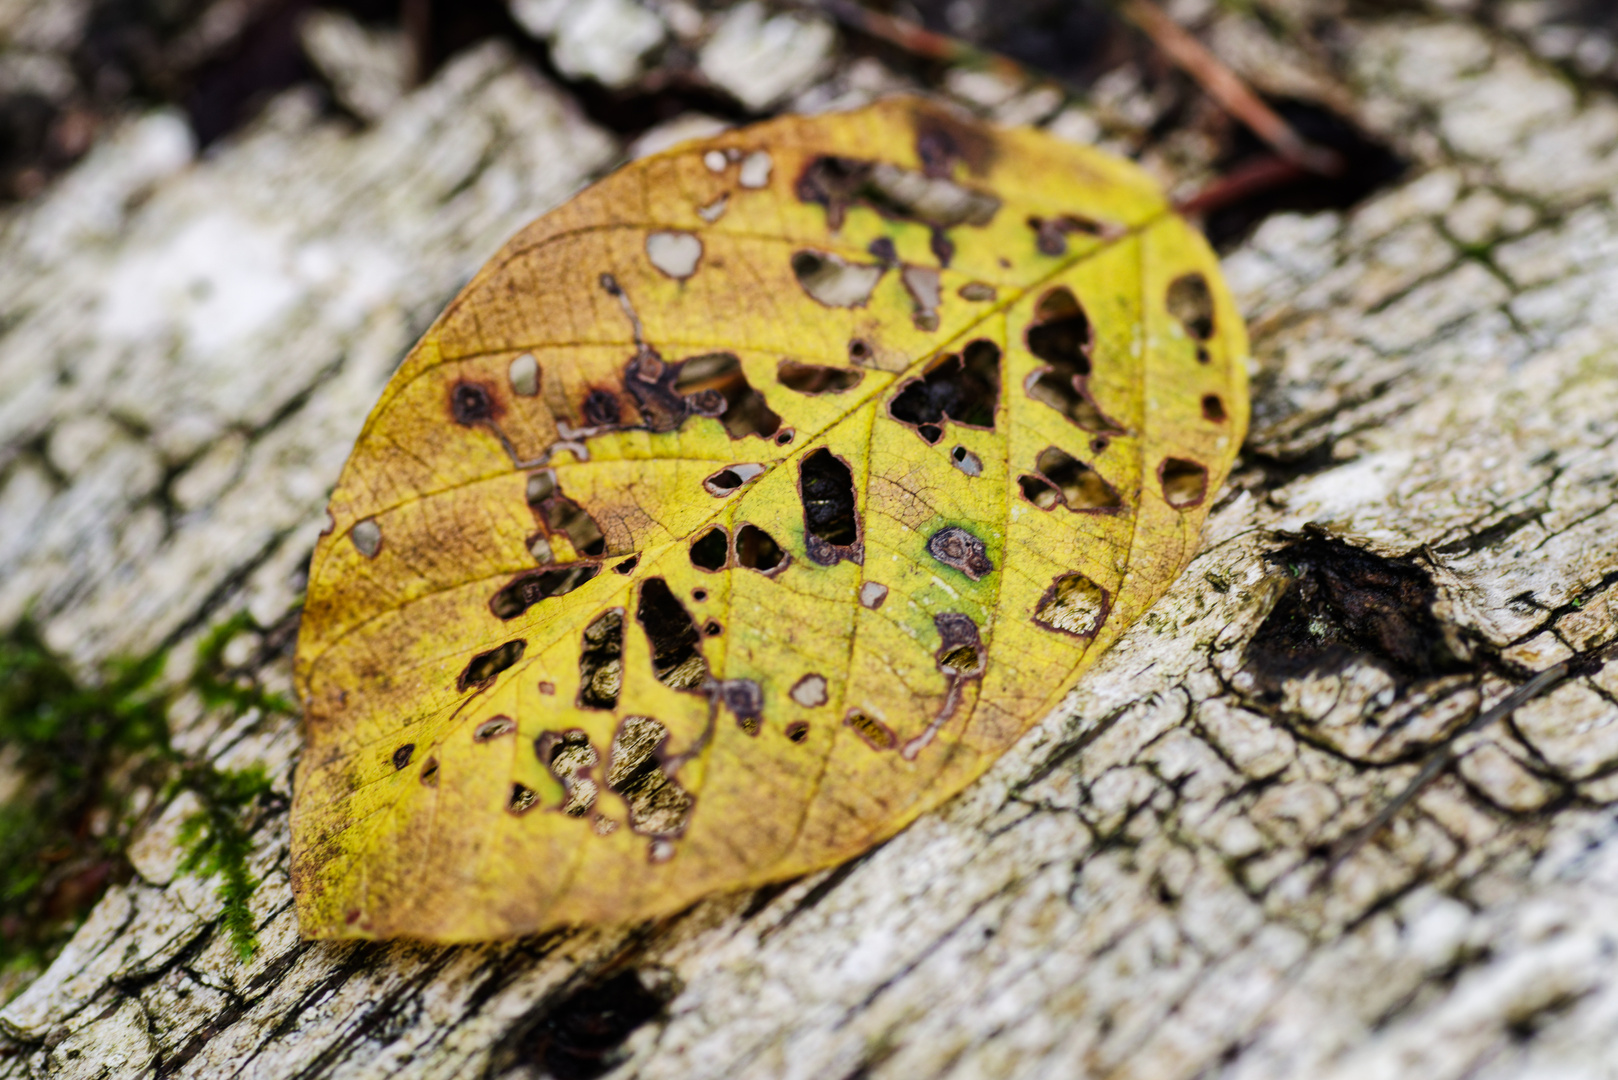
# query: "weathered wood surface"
[[190, 345]]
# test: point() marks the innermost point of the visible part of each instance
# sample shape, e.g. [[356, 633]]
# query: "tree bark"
[[1159, 881]]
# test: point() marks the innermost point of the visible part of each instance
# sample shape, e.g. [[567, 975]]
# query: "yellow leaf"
[[743, 509]]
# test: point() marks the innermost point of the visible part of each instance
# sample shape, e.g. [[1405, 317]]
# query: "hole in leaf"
[[815, 379], [1050, 234], [859, 350], [536, 585], [711, 550], [699, 595], [366, 536], [810, 691], [401, 756], [757, 549], [826, 488], [1061, 336], [485, 666], [872, 594], [524, 375], [676, 660], [954, 546], [1184, 482], [522, 799], [494, 728], [960, 651], [730, 478], [1074, 605], [797, 731], [977, 292], [834, 281], [570, 757], [745, 411], [964, 387], [1213, 409], [658, 806], [712, 628], [1037, 491], [1190, 301], [875, 733], [930, 433], [470, 403], [902, 194], [966, 461], [601, 661], [429, 772], [627, 565], [568, 517], [1081, 486], [541, 486]]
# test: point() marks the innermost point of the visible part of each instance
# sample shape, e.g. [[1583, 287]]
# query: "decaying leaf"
[[721, 526]]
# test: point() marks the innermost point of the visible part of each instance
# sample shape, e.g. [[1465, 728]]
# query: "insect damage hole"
[[711, 550], [570, 757], [831, 527], [366, 537], [1074, 605], [730, 478], [816, 379], [757, 550], [963, 387], [494, 728], [1185, 483], [834, 281], [485, 666], [675, 254], [526, 590], [471, 403], [677, 661], [658, 805], [877, 735], [401, 756], [524, 375], [1191, 302], [715, 385], [1213, 409], [601, 661], [429, 773], [966, 461], [1065, 479], [810, 691], [521, 800], [1061, 336]]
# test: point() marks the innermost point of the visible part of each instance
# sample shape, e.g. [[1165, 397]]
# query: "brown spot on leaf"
[[1050, 234], [977, 291], [677, 661], [401, 756], [954, 546], [831, 526], [745, 701], [1074, 605], [601, 409], [472, 403], [1185, 483], [483, 668], [601, 661]]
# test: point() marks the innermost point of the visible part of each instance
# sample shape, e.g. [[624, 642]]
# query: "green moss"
[[73, 748]]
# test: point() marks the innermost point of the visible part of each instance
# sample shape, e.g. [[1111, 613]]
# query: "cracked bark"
[[1135, 890]]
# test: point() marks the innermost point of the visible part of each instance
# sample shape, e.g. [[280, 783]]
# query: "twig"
[[1227, 88], [928, 44], [1442, 756]]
